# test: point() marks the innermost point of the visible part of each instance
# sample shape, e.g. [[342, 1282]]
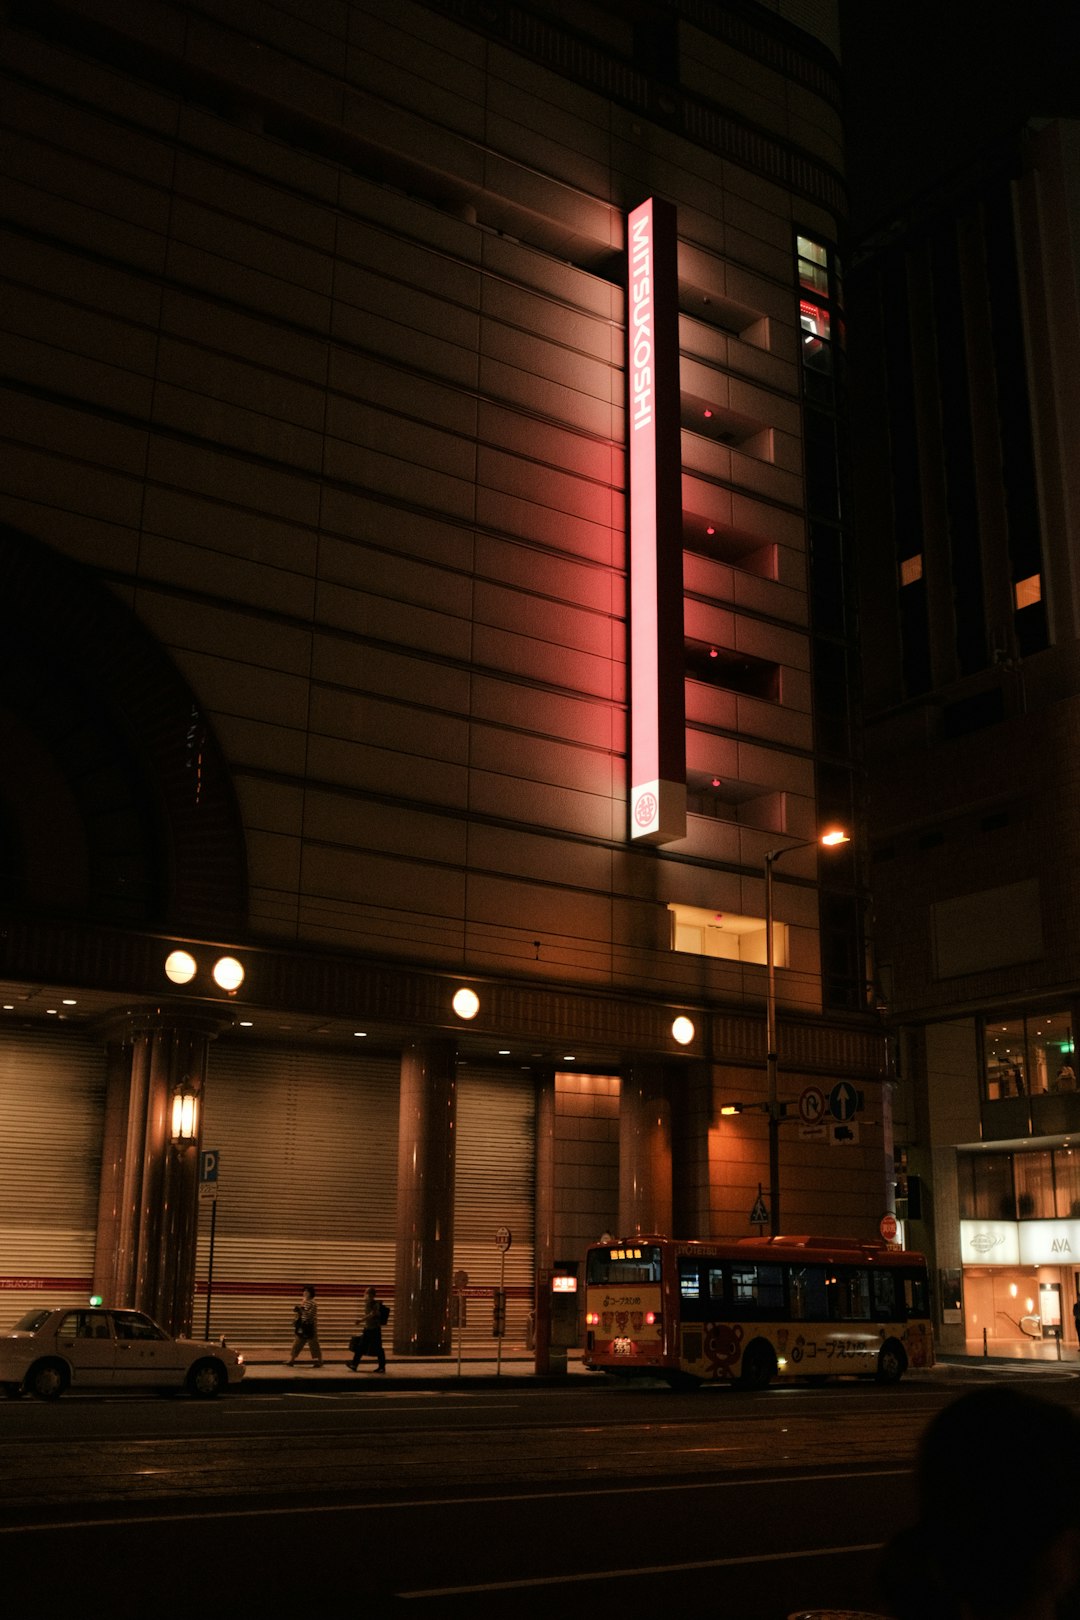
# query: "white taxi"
[[91, 1347]]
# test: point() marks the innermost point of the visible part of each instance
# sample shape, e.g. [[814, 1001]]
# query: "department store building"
[[341, 337]]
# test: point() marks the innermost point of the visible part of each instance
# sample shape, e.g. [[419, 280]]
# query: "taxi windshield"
[[30, 1322]]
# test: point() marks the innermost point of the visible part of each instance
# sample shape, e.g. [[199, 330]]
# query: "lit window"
[[1027, 592], [815, 325], [813, 265], [911, 569], [726, 935]]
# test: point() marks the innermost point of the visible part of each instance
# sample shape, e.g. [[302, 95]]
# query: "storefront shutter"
[[495, 1187], [307, 1190], [52, 1106]]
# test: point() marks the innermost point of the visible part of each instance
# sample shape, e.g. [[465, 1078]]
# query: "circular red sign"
[[888, 1228], [645, 809]]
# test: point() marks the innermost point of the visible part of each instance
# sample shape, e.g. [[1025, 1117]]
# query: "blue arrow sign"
[[844, 1101]]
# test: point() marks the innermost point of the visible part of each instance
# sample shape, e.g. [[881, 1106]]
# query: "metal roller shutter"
[[495, 1186], [307, 1190], [52, 1109]]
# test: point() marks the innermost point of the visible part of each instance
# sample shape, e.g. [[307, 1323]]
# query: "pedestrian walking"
[[306, 1328], [369, 1341]]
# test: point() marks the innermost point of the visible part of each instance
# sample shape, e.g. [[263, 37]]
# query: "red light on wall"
[[716, 781], [710, 529], [707, 412], [713, 653]]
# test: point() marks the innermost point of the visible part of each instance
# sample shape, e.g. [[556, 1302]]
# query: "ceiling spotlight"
[[682, 1030]]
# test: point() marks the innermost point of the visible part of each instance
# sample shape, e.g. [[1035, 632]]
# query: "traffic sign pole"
[[209, 1162], [503, 1240]]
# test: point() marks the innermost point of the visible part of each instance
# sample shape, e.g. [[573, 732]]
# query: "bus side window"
[[758, 1289], [916, 1294], [808, 1295], [691, 1304], [716, 1285], [857, 1302], [884, 1296]]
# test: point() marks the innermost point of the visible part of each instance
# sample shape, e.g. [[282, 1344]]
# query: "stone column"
[[147, 1228], [425, 1199], [645, 1184], [544, 1239]]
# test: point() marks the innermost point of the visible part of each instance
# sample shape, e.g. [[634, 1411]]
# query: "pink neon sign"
[[657, 708]]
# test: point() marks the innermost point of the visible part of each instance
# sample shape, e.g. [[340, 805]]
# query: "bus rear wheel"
[[892, 1362], [758, 1366]]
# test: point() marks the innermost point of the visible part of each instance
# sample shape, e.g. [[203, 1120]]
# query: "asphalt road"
[[439, 1502]]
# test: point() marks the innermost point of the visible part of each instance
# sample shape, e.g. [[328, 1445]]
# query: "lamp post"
[[829, 840]]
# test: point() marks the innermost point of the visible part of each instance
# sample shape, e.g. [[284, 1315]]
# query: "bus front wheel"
[[758, 1365], [892, 1362]]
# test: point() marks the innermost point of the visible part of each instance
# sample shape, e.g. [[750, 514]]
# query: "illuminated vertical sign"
[[657, 661]]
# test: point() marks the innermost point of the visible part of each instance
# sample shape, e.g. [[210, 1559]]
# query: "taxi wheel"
[[758, 1365], [206, 1379], [892, 1362], [48, 1380]]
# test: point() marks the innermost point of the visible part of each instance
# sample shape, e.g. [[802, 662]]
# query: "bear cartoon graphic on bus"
[[722, 1347]]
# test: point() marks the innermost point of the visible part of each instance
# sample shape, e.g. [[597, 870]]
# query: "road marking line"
[[445, 1501], [645, 1569]]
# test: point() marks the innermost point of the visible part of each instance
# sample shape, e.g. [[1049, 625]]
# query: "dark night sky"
[[930, 81]]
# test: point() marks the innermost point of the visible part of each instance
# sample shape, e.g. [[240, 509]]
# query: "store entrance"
[[1021, 1311]]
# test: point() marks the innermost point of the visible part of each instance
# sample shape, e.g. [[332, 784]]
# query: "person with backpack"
[[369, 1342], [306, 1328]]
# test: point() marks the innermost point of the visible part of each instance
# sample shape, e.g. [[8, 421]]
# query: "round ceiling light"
[[466, 1003], [180, 967]]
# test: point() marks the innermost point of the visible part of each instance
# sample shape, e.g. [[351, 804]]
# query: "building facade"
[[966, 322], [327, 648]]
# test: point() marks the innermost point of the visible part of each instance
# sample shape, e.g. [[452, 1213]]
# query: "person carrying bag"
[[369, 1342]]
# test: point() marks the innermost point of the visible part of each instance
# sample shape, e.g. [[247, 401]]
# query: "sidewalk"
[[267, 1369]]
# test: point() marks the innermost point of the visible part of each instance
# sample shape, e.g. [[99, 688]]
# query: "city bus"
[[755, 1309]]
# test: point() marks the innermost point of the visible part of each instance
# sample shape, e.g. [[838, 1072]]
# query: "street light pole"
[[771, 1055]]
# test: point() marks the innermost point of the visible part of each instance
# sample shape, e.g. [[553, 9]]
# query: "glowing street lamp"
[[828, 840]]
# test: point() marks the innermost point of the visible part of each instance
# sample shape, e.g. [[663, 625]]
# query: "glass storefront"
[[1020, 1248], [1026, 1056]]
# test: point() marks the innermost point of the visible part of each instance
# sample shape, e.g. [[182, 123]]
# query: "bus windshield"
[[623, 1263]]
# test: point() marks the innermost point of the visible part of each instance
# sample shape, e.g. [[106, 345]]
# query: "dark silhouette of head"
[[998, 1536]]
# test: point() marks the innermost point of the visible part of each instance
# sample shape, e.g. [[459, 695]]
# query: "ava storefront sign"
[[1019, 1243]]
